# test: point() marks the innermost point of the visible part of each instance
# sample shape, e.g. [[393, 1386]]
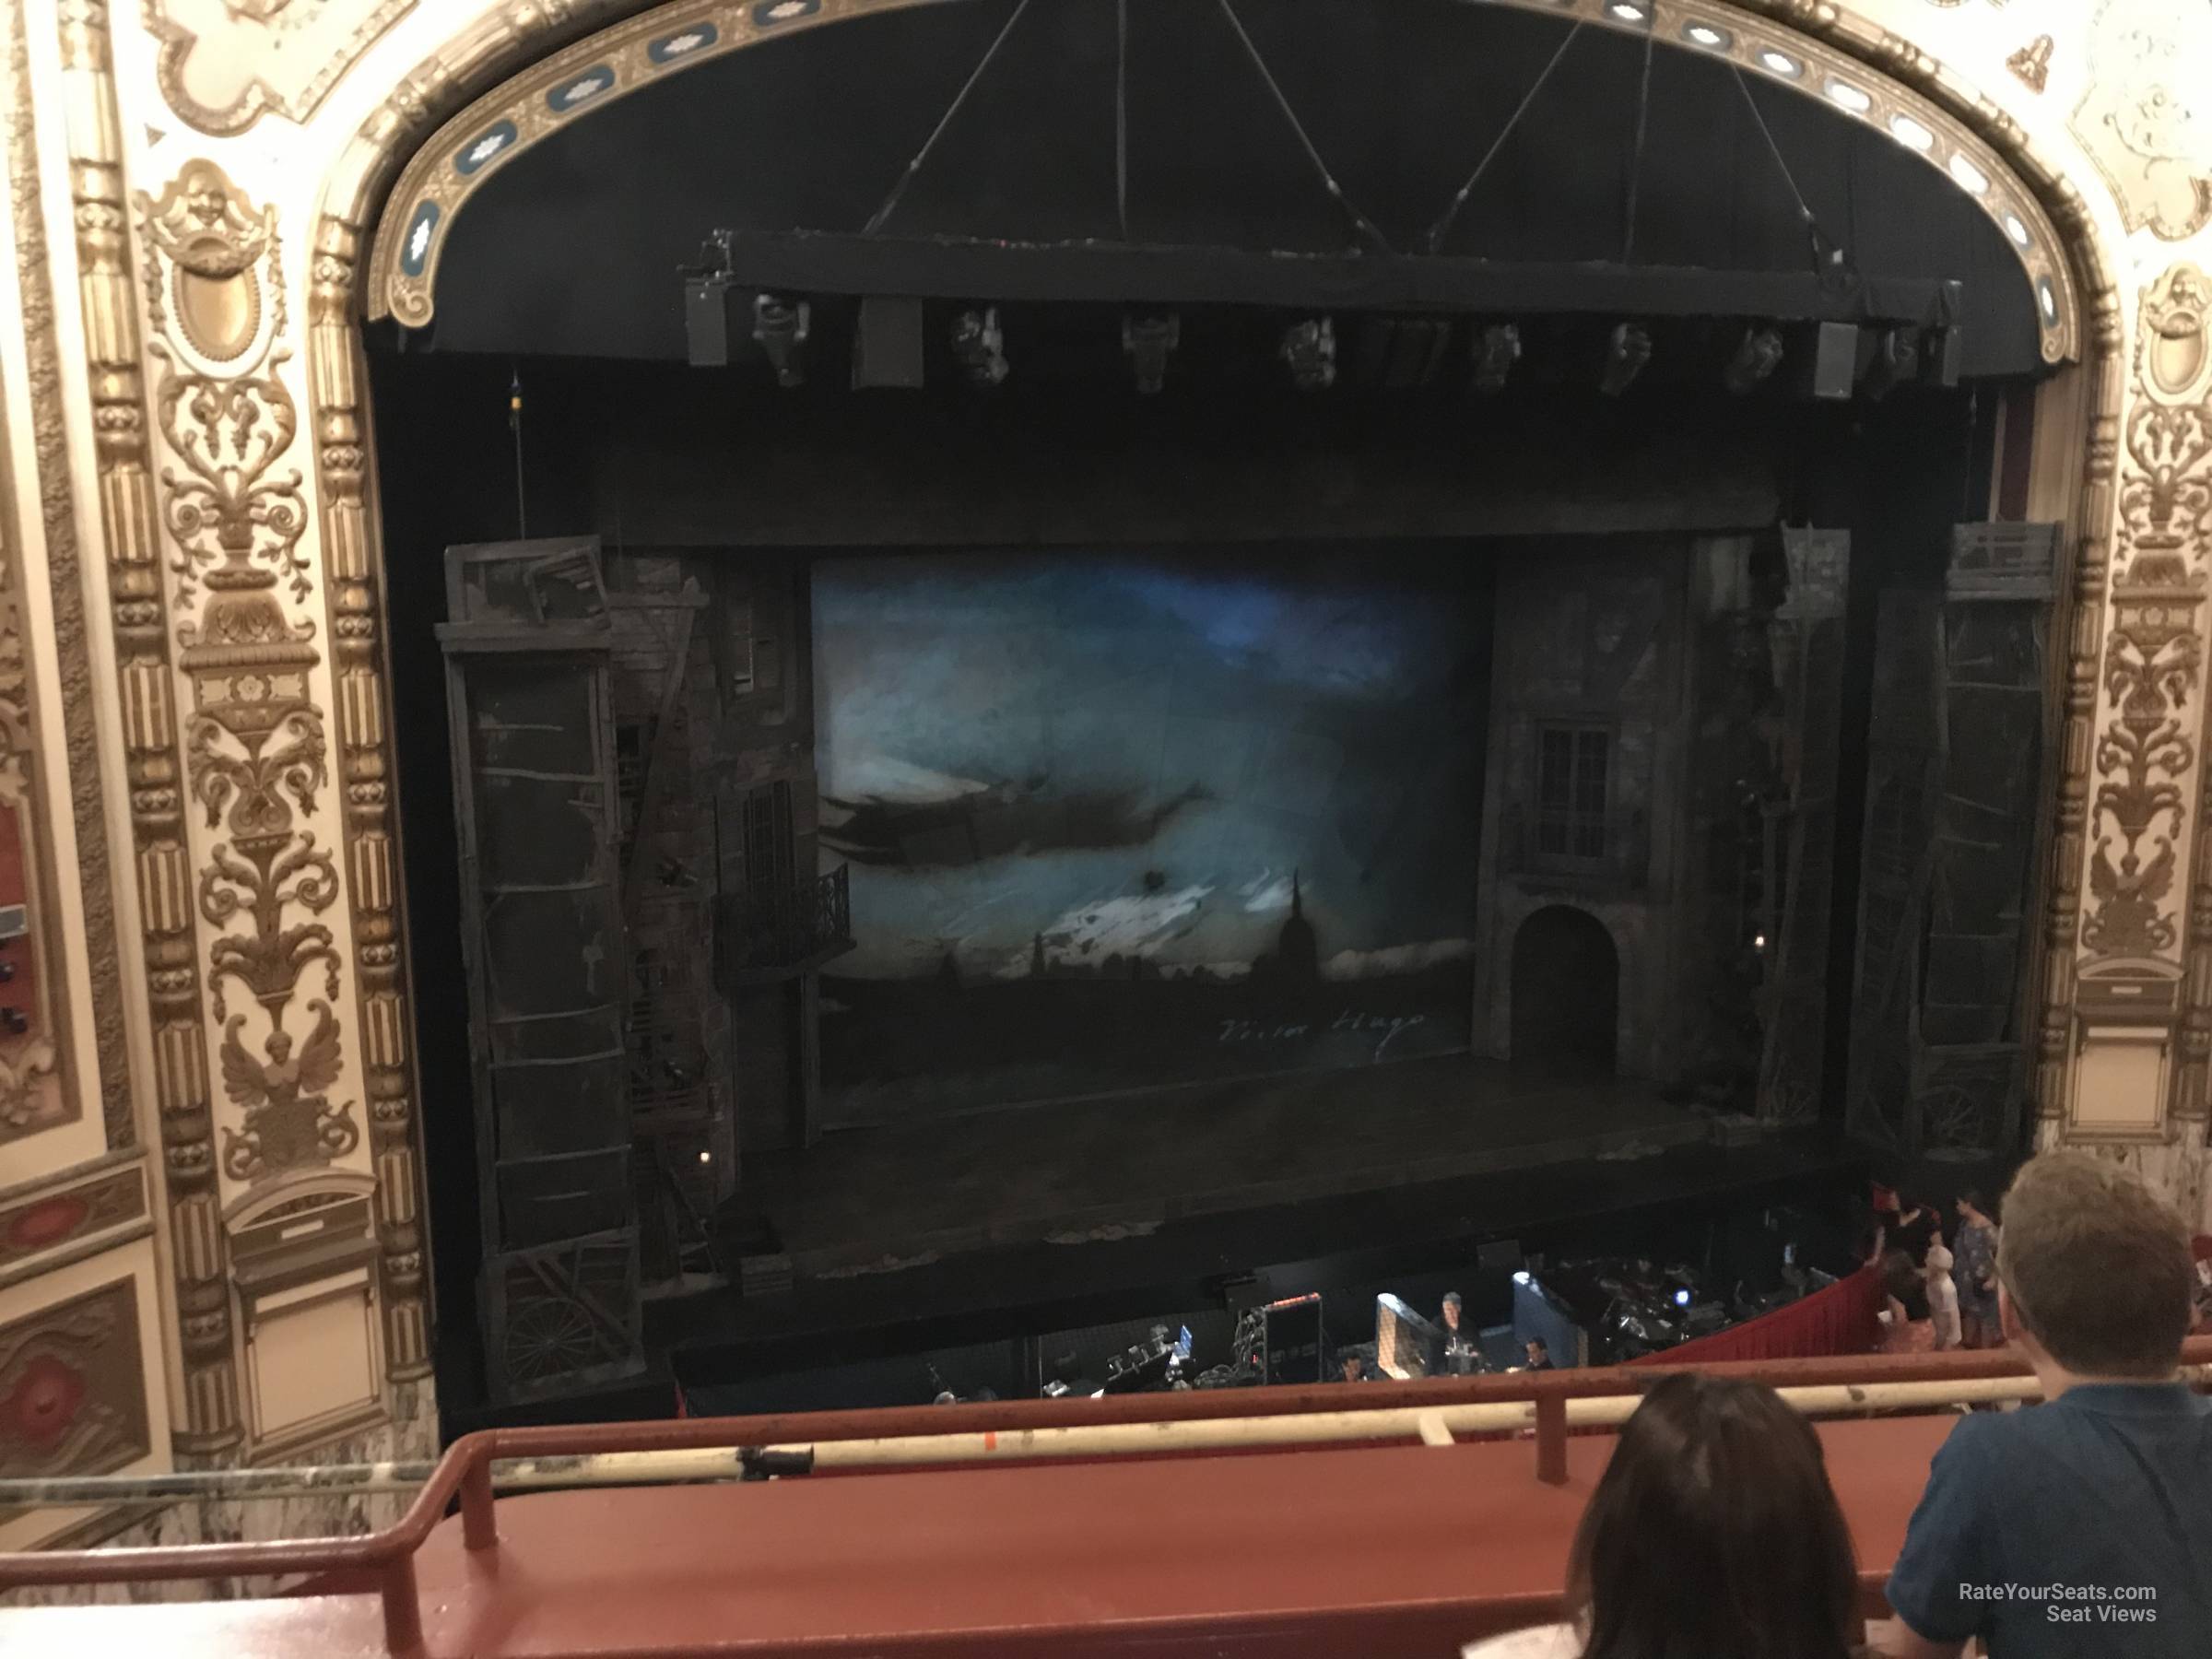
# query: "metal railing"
[[1546, 1406], [795, 927]]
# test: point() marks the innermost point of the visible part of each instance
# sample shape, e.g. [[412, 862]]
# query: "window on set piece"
[[1572, 764]]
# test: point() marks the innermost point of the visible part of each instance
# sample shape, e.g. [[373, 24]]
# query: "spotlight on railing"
[[1628, 351], [1497, 350], [1150, 342], [780, 329], [1895, 361], [1756, 358], [980, 346], [1309, 347]]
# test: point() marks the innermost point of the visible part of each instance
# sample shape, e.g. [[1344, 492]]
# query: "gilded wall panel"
[[115, 365]]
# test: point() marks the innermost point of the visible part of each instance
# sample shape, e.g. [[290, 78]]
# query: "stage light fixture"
[[1628, 351], [1309, 347], [1895, 361], [1497, 350], [780, 329], [1758, 355], [707, 306], [1150, 342], [980, 346]]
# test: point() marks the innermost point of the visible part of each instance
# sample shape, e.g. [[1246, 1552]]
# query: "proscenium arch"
[[498, 53], [589, 74]]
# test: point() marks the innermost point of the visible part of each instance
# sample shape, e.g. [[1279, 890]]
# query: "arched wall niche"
[[274, 223]]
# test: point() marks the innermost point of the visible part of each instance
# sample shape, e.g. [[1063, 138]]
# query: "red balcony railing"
[[1352, 1521]]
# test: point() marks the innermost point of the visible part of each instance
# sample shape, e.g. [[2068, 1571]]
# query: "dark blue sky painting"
[[1131, 755]]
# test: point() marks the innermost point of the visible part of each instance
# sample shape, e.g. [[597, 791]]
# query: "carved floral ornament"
[[225, 63], [418, 215], [256, 752], [2154, 654]]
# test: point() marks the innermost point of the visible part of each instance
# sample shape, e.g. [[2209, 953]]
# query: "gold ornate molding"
[[2143, 121], [2030, 65], [611, 64], [225, 63], [71, 658], [255, 744], [354, 600], [153, 765]]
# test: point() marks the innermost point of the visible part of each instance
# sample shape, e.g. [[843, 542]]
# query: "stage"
[[1001, 1222], [876, 1200]]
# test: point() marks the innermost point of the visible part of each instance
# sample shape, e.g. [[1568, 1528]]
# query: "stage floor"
[[880, 1199]]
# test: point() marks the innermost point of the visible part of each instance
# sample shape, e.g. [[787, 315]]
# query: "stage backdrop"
[[1118, 820]]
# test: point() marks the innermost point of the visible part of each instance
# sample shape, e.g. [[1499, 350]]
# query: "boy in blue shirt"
[[2081, 1527]]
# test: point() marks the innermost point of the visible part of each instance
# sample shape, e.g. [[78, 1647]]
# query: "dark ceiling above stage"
[[574, 247]]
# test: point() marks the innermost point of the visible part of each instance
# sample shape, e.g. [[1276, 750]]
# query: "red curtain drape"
[[1840, 1318]]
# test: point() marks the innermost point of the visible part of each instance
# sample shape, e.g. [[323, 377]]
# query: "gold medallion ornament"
[[2145, 123], [227, 62]]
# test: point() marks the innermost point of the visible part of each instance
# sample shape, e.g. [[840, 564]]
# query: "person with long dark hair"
[[1714, 1535]]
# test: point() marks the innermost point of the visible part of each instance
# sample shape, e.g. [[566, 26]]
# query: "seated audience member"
[[1712, 1534], [1943, 1298], [1536, 1354], [1974, 1271], [1354, 1363], [2099, 1501]]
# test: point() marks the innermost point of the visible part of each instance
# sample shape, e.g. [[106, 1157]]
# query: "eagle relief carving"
[[290, 1122], [225, 63]]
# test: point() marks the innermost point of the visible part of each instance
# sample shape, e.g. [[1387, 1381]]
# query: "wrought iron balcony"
[[788, 932]]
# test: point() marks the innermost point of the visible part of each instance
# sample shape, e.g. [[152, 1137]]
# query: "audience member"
[[1974, 1272], [1915, 1228], [1536, 1354], [1712, 1534], [1943, 1298], [2084, 1524], [1905, 1326]]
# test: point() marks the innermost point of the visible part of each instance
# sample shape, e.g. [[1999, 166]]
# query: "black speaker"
[[1835, 360], [707, 322]]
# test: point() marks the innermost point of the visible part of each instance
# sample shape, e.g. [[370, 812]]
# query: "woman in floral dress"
[[1974, 1271]]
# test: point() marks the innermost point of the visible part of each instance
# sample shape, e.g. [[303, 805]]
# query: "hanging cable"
[[1643, 115], [890, 203], [1832, 265], [1360, 223], [1121, 121], [514, 424], [1442, 227]]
